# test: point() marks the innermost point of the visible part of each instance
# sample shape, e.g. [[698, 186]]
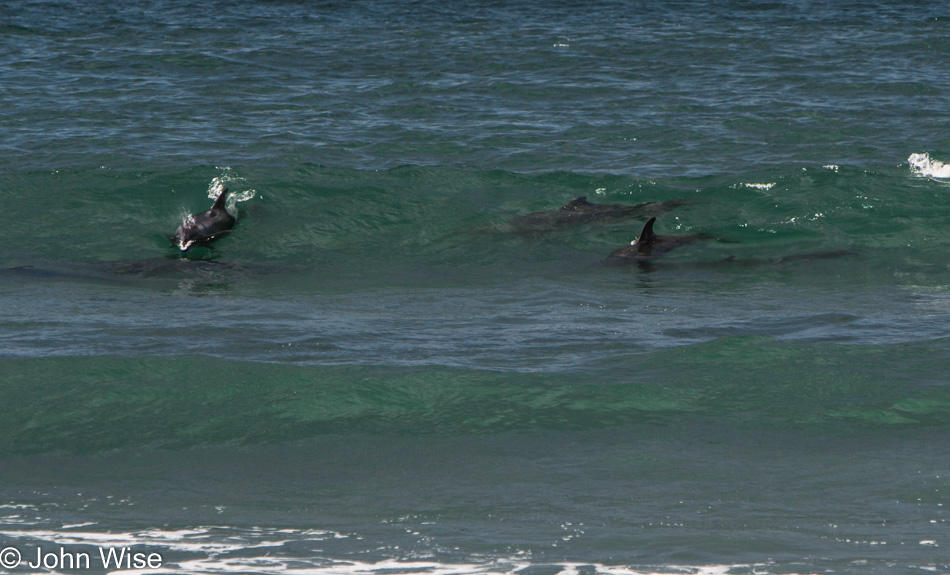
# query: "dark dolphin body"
[[205, 226], [650, 246], [580, 211]]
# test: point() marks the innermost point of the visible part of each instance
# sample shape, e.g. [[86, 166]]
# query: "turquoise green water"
[[189, 401], [314, 219], [380, 371]]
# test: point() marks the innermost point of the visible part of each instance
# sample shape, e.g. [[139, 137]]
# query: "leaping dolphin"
[[650, 246], [205, 226]]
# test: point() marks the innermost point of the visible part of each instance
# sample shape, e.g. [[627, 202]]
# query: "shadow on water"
[[196, 273], [658, 276]]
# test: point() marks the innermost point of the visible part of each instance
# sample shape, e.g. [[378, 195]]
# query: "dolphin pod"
[[648, 245], [206, 226]]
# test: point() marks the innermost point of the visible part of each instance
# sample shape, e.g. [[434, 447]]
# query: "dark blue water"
[[389, 366]]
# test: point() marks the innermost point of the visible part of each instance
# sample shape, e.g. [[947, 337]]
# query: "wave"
[[89, 405], [411, 216]]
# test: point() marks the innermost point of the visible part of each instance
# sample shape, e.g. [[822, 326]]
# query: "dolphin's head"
[[187, 234]]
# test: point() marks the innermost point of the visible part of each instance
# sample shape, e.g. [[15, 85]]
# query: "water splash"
[[225, 180], [924, 165]]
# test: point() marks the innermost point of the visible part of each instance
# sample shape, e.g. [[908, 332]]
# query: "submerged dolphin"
[[580, 211], [650, 246], [780, 260], [205, 226]]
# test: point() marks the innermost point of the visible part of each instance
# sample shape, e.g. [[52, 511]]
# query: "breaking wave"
[[924, 165]]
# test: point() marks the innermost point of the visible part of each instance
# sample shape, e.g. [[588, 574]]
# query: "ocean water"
[[380, 371]]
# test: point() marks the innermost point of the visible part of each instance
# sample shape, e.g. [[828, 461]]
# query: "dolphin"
[[580, 211], [650, 246], [205, 226]]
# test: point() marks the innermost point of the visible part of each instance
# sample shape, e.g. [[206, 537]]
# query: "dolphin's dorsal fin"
[[219, 203], [647, 236]]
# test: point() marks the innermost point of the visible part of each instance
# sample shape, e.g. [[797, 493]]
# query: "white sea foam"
[[391, 566], [226, 550], [924, 165], [211, 540], [765, 186]]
